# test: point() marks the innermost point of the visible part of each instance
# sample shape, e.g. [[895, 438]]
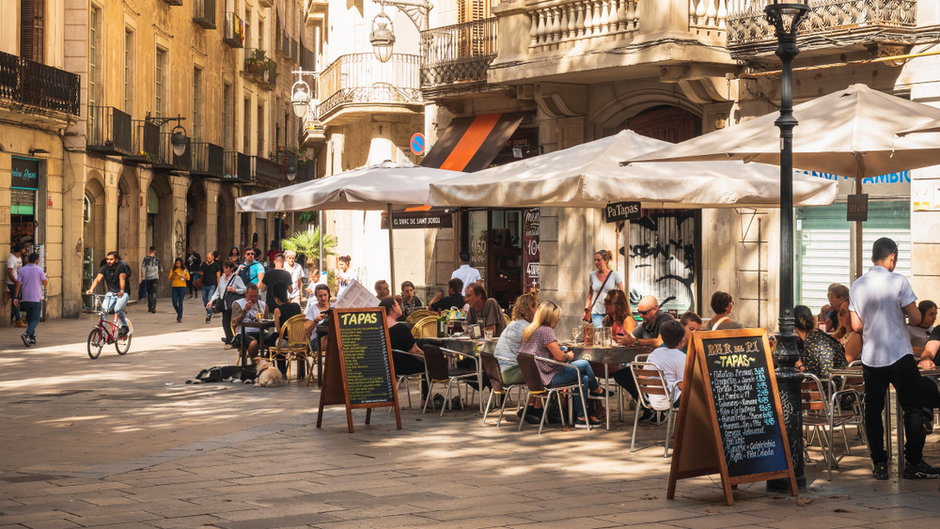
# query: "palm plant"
[[307, 242]]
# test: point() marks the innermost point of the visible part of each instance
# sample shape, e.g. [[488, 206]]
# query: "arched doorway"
[[225, 227], [128, 218], [664, 243], [196, 217], [93, 215], [160, 224]]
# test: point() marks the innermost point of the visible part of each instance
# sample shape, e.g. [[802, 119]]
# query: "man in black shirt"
[[115, 274], [647, 333], [454, 296], [194, 266], [275, 276]]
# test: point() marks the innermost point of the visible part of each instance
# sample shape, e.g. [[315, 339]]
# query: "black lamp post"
[[785, 18]]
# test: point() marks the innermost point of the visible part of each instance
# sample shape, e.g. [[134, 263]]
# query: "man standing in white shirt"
[[878, 302], [466, 273], [14, 263]]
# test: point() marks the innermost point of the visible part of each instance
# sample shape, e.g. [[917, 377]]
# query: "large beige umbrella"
[[932, 126], [590, 175], [851, 132]]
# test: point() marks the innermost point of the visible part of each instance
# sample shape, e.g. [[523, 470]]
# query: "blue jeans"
[[568, 375], [207, 292], [113, 303], [179, 294], [597, 320], [15, 312], [33, 310]]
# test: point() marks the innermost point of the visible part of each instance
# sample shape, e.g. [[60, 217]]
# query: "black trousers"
[[906, 379], [227, 325], [152, 293], [409, 365], [624, 379]]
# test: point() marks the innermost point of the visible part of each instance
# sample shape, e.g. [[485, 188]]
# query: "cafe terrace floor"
[[123, 442]]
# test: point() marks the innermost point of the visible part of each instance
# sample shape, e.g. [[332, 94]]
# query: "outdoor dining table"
[[857, 372], [261, 325]]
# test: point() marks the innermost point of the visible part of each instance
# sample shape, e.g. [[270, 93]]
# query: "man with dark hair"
[[671, 361], [14, 263], [272, 278], [382, 290], [692, 322], [878, 302], [251, 270], [194, 266], [115, 275], [29, 284], [484, 311], [152, 270], [466, 273], [248, 308], [454, 297]]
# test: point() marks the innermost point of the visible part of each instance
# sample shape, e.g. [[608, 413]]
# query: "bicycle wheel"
[[95, 343], [123, 343]]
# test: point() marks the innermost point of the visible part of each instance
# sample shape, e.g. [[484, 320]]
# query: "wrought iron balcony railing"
[[360, 79], [145, 141], [234, 31], [33, 86], [829, 24], [208, 159], [260, 68], [265, 172], [204, 13], [457, 54], [236, 168], [167, 160], [109, 131]]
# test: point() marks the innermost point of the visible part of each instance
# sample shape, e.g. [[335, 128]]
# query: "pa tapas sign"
[[621, 211]]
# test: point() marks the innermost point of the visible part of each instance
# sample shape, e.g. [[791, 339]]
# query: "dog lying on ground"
[[268, 375]]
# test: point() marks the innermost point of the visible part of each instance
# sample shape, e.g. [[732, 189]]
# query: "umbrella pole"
[[859, 174], [391, 249]]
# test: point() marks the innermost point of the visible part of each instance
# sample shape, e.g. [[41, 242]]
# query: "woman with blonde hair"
[[511, 338], [851, 341], [538, 339]]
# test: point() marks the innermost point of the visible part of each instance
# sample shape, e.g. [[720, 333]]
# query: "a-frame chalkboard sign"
[[359, 371], [730, 419]]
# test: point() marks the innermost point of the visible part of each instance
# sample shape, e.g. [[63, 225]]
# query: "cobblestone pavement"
[[123, 442]]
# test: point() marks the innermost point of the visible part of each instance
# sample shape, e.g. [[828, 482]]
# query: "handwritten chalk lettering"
[[359, 319]]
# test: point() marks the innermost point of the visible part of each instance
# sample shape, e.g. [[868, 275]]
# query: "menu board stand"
[[730, 419], [359, 372]]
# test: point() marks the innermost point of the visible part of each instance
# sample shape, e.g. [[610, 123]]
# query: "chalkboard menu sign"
[[359, 368], [730, 420]]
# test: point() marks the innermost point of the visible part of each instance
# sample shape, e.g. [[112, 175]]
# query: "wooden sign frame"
[[335, 382], [699, 449]]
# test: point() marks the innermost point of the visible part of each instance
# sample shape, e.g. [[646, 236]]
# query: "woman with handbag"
[[179, 279], [230, 289], [600, 281]]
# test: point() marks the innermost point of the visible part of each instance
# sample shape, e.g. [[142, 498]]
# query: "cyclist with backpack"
[[116, 276]]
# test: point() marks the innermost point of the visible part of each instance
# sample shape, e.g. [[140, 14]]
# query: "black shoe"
[[123, 332], [179, 320], [26, 340], [646, 414], [880, 471], [581, 423], [208, 319], [533, 416], [920, 470]]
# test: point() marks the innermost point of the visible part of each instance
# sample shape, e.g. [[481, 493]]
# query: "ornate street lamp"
[[178, 139], [382, 37], [785, 18], [300, 98]]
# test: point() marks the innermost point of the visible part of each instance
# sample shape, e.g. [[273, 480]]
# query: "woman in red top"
[[619, 317]]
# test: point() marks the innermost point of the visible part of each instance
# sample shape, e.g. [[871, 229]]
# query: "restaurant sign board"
[[419, 219], [531, 229], [621, 211], [24, 173]]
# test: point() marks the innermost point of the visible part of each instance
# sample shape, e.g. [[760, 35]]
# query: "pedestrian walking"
[[235, 256], [152, 268], [14, 263], [31, 279], [231, 288], [601, 280], [193, 266], [878, 302], [211, 270], [179, 278]]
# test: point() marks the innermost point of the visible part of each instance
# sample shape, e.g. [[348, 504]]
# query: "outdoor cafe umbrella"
[[386, 186], [932, 126], [851, 132], [590, 176]]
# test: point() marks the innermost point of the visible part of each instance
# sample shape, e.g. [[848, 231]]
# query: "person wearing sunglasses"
[[647, 333], [251, 271]]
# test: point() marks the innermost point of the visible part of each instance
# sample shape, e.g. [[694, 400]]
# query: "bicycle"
[[107, 332]]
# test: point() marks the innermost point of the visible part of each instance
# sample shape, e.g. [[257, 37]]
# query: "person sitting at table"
[[648, 332], [722, 303], [671, 361], [837, 294], [284, 309], [382, 289], [454, 297], [484, 311], [316, 313], [692, 322], [920, 332], [401, 339], [538, 339], [819, 352], [248, 308], [507, 348], [619, 317], [850, 339], [407, 300]]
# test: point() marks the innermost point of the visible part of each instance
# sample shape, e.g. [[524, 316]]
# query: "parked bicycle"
[[107, 331]]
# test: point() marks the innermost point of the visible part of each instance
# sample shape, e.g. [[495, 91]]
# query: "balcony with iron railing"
[[829, 24], [266, 173], [208, 159], [145, 141], [233, 33], [260, 69], [33, 88], [455, 58], [109, 131], [236, 167], [314, 134], [359, 83], [204, 13], [167, 160]]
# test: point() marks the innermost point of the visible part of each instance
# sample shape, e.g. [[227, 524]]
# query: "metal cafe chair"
[[439, 372], [649, 380], [536, 389], [404, 380], [497, 386], [820, 404]]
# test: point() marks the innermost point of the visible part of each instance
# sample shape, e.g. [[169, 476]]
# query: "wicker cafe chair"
[[497, 386], [425, 327], [820, 405], [418, 315], [439, 372], [536, 389], [649, 380], [293, 344]]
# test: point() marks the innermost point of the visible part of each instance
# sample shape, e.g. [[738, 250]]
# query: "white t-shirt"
[[467, 274], [878, 298], [260, 308], [312, 311], [293, 292], [15, 263], [672, 364], [596, 283]]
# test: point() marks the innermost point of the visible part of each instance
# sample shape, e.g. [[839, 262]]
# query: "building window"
[[260, 129], [159, 106], [128, 70], [197, 103], [261, 34], [32, 29], [95, 95], [228, 117], [246, 126]]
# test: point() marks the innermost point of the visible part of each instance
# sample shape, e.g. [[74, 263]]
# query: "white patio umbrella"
[[386, 186], [932, 126], [851, 132], [590, 175]]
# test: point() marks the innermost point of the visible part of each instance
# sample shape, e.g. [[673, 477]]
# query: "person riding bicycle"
[[115, 274]]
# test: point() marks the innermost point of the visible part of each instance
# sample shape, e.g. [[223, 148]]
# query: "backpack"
[[244, 272], [127, 272]]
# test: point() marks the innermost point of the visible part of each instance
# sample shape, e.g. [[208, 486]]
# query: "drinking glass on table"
[[576, 333], [488, 334]]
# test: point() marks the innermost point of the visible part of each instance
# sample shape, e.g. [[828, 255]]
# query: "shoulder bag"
[[587, 310]]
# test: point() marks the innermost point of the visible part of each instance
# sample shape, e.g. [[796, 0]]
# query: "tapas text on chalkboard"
[[359, 368], [731, 401]]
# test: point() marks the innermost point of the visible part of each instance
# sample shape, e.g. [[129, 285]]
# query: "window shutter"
[[32, 29]]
